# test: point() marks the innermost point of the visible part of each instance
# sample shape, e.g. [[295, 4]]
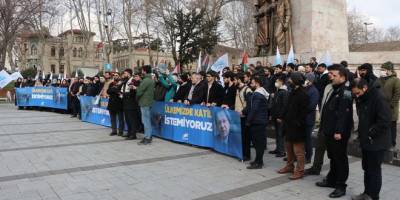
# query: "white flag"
[[16, 75], [5, 79], [221, 63]]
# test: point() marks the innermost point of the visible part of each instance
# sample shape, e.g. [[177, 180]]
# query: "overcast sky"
[[383, 13]]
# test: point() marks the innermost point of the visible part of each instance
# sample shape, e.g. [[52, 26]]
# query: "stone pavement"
[[46, 155]]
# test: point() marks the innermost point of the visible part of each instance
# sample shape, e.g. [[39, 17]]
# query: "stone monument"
[[312, 26]]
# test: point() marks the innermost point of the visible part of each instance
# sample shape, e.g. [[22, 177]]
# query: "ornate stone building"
[[59, 54]]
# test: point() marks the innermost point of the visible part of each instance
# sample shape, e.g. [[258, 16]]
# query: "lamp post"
[[366, 30]]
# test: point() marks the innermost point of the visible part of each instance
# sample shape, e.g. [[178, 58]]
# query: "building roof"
[[379, 46], [33, 35], [74, 31]]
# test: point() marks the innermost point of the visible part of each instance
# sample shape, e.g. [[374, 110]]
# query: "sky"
[[383, 13]]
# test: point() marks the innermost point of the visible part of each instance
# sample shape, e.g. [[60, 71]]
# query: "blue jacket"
[[313, 97], [256, 110]]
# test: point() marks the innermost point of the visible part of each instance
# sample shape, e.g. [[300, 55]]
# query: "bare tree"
[[130, 8], [392, 34], [239, 24], [358, 32], [14, 16]]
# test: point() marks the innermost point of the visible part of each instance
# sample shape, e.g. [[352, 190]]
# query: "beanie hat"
[[388, 66], [297, 78]]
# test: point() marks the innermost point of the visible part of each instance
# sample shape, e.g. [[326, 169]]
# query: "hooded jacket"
[[256, 110], [280, 102], [391, 90], [295, 116]]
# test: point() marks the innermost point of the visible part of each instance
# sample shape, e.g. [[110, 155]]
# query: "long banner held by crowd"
[[94, 110], [214, 127], [50, 97]]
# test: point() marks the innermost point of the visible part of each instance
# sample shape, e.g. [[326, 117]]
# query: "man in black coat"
[[295, 126], [256, 113], [130, 104], [197, 92], [183, 89], [336, 124], [230, 91], [321, 80], [215, 91], [279, 106], [374, 134], [115, 107]]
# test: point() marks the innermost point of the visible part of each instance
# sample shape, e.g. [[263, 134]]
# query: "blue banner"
[[94, 110], [50, 97], [214, 127]]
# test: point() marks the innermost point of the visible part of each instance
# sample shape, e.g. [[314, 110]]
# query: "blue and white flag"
[[199, 63], [221, 63], [290, 58], [16, 75], [278, 59], [5, 79], [327, 59]]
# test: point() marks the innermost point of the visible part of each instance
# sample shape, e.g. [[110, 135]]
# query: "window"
[[61, 70], [80, 52], [61, 53], [138, 63], [53, 68], [74, 52], [53, 51], [33, 50]]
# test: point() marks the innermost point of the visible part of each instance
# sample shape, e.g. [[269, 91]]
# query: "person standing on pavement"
[[279, 106], [336, 125], [130, 104], [256, 113], [295, 126], [115, 106], [313, 96], [390, 86], [374, 134], [145, 97]]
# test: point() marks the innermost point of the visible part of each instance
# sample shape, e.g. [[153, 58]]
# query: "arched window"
[[61, 52], [80, 51], [53, 51], [33, 50], [74, 52]]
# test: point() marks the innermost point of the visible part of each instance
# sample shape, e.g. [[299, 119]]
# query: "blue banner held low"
[[49, 97]]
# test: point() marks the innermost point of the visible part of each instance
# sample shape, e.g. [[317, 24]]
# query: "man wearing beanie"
[[390, 86], [366, 72], [295, 127]]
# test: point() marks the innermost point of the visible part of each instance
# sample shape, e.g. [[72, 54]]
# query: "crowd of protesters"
[[287, 97]]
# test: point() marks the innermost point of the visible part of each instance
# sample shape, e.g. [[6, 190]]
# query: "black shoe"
[[73, 116], [113, 133], [285, 159], [255, 166], [325, 183], [280, 155], [273, 152], [120, 133], [338, 192], [131, 137], [145, 141], [308, 161]]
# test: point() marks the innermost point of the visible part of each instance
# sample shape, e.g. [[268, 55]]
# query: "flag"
[[51, 76], [278, 59], [76, 73], [43, 76], [5, 79], [245, 61], [65, 76], [326, 59], [221, 63], [177, 69], [100, 45], [116, 70], [290, 58], [37, 76], [221, 78], [205, 63], [199, 63], [16, 75]]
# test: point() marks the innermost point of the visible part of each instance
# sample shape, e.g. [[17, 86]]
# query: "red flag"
[[100, 45], [245, 58]]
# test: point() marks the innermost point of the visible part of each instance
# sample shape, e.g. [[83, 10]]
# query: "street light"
[[366, 30]]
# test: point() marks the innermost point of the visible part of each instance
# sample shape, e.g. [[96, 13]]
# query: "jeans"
[[113, 116], [371, 164], [146, 121], [308, 142], [280, 148]]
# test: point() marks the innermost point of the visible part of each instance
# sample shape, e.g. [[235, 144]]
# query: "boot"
[[297, 175], [286, 170]]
